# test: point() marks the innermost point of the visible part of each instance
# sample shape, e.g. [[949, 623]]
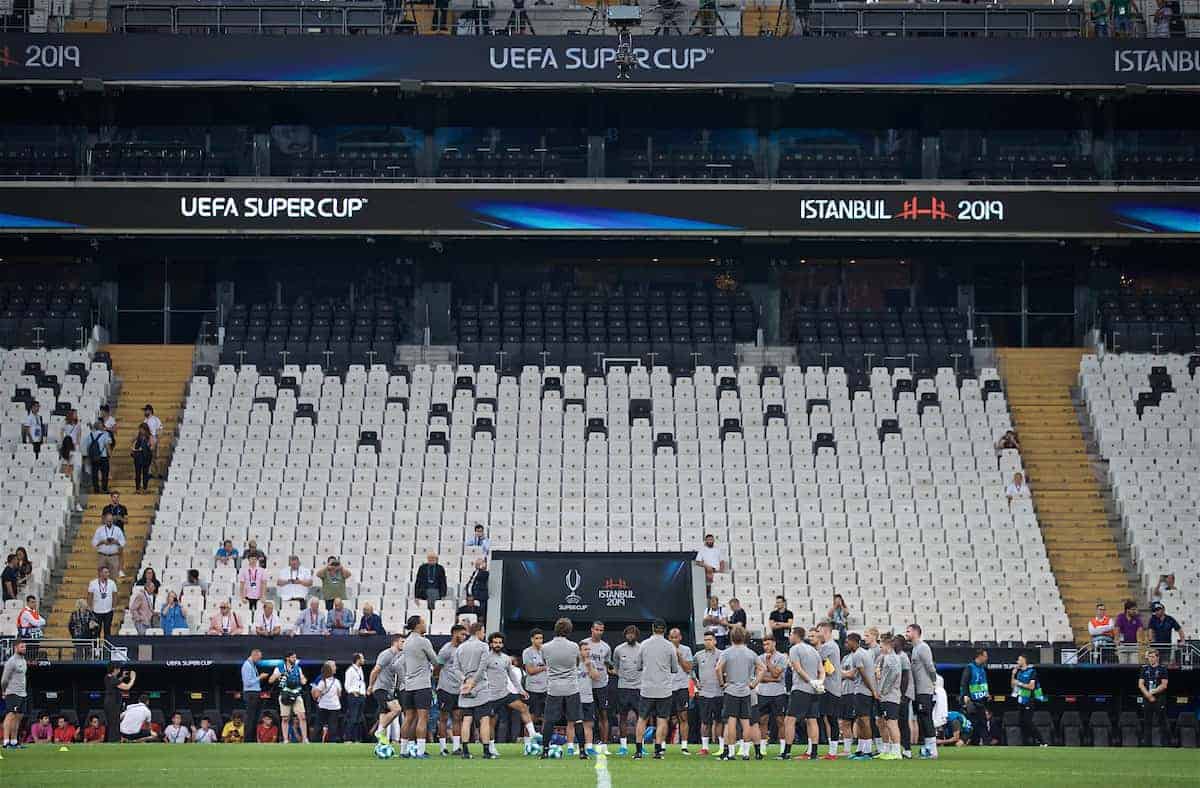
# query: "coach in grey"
[[924, 677], [736, 670], [419, 659], [658, 662], [473, 693], [561, 657]]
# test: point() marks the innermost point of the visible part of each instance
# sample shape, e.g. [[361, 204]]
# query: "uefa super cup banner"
[[916, 63], [616, 209], [614, 587]]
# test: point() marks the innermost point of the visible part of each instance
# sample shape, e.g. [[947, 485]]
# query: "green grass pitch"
[[228, 766]]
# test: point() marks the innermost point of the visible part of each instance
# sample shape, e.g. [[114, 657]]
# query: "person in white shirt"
[[154, 424], [109, 541], [716, 620], [1017, 488], [33, 428], [293, 583], [204, 734], [356, 697], [176, 732], [135, 721], [328, 694], [268, 625], [101, 591], [711, 558]]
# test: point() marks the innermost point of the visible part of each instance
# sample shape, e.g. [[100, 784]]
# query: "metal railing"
[[60, 650], [1183, 654]]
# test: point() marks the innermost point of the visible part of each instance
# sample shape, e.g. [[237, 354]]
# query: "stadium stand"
[[1151, 324], [917, 338], [311, 463], [40, 497], [1144, 409], [44, 317]]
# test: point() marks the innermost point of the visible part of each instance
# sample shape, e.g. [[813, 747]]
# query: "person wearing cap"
[[1161, 626]]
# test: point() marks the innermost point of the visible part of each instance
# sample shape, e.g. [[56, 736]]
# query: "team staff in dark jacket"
[[973, 692], [431, 581]]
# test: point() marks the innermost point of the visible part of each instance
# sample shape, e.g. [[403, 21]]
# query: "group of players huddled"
[[864, 697]]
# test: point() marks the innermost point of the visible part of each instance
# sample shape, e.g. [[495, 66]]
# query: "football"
[[384, 751], [533, 749]]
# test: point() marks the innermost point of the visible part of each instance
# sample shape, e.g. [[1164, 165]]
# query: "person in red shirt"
[[93, 732], [64, 731], [266, 731]]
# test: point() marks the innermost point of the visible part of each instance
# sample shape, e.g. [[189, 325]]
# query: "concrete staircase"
[[155, 374], [1070, 502]]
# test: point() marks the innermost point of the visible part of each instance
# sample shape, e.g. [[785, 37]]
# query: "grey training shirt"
[[585, 685], [830, 651], [14, 677], [768, 688], [389, 664], [810, 661], [659, 663], [906, 667], [863, 660], [561, 657], [740, 664], [924, 671], [889, 679], [600, 654], [705, 667], [493, 671], [419, 659], [627, 659], [450, 677], [534, 682], [682, 677], [470, 657]]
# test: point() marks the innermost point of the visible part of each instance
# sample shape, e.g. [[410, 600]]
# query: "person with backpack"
[[99, 443], [142, 452]]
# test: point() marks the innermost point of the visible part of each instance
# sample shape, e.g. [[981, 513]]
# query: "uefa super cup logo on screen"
[[573, 580]]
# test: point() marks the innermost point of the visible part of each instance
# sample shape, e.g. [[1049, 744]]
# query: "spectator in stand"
[[252, 581], [311, 621], [1152, 683], [30, 623], [66, 462], [1017, 488], [41, 731], [193, 581], [266, 732], [716, 620], [1098, 13], [116, 682], [711, 558], [227, 554], [333, 581], [1124, 16], [83, 624], [204, 734], [154, 425], [99, 446], [1162, 20], [234, 731], [470, 607], [1166, 584], [33, 428], [839, 615], [173, 615], [1008, 441], [135, 721], [74, 430], [737, 613], [148, 574], [142, 452], [65, 732], [356, 698], [252, 550], [25, 568], [1129, 624], [93, 732], [225, 621], [142, 608], [477, 584], [109, 541], [339, 620], [478, 539], [293, 583], [10, 578], [117, 509], [269, 625], [1161, 626], [176, 732], [327, 692], [103, 592], [430, 584], [370, 623], [1102, 630]]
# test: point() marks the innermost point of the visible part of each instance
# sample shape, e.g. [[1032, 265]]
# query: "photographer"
[[333, 581], [116, 681], [291, 683]]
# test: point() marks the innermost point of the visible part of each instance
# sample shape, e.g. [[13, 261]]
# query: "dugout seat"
[[1130, 728], [1100, 728], [1071, 725]]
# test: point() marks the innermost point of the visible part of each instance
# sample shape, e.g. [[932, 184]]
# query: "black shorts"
[[905, 708], [537, 703], [655, 708], [587, 711], [417, 699], [831, 705], [803, 705], [142, 734], [629, 700], [680, 700], [16, 704], [382, 698], [709, 708], [735, 706], [923, 705], [889, 711], [563, 708], [447, 701], [772, 705], [847, 708], [600, 698], [864, 705]]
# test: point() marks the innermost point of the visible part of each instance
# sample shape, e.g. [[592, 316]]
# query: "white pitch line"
[[603, 779]]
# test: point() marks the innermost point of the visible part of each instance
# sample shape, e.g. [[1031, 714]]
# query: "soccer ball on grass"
[[384, 751]]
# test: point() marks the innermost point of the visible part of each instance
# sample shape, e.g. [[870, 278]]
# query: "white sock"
[[704, 742], [864, 745], [743, 747], [623, 741], [931, 745], [532, 731], [833, 746], [762, 747], [404, 746], [492, 747], [442, 743], [457, 740], [878, 745], [721, 741], [420, 746]]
